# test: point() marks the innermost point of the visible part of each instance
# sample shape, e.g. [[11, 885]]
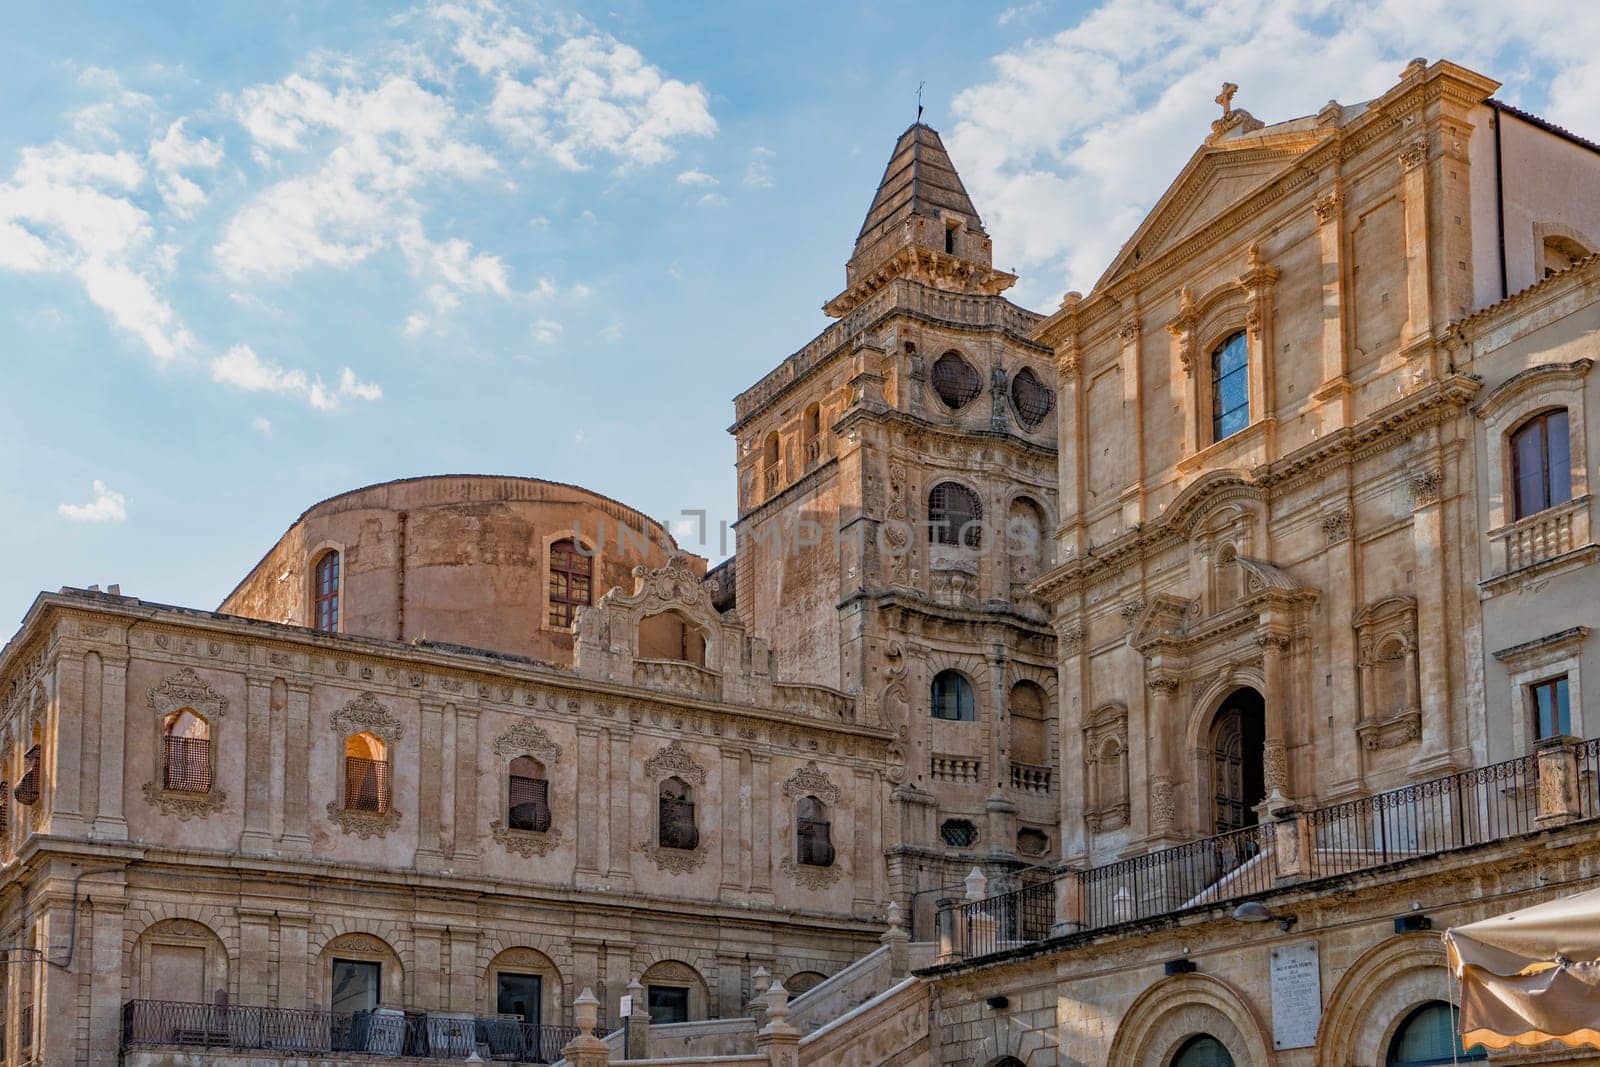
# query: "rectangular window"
[[669, 1004], [1230, 389], [518, 994], [357, 985], [530, 803], [1551, 715]]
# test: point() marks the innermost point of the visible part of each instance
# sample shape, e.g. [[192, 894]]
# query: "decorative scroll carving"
[[1131, 611], [897, 530], [358, 943], [673, 581], [1426, 484], [810, 781], [1071, 638], [809, 876], [525, 842], [1163, 805], [363, 824], [674, 761], [185, 806], [527, 739], [1414, 154], [1327, 206], [675, 860], [365, 714], [1336, 525], [186, 689]]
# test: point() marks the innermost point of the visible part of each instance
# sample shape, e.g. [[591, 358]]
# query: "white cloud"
[[107, 505], [592, 95], [547, 331], [612, 332], [696, 177], [261, 425], [1076, 135], [712, 200], [1020, 11], [758, 175], [176, 152], [241, 368]]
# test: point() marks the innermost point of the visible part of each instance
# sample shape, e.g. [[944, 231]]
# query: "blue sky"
[[252, 255]]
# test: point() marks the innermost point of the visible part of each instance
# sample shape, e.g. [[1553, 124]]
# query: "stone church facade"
[[1048, 640]]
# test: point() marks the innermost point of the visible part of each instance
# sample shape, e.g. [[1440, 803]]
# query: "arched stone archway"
[[1376, 995], [1175, 1009], [180, 960], [674, 992], [524, 982]]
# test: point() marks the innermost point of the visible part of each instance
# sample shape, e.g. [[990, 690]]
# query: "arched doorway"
[[1238, 735]]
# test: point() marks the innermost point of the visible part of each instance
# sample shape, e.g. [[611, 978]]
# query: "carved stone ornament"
[[673, 581], [1400, 730], [1426, 483], [1071, 639], [674, 762], [365, 714], [1327, 206], [809, 876], [525, 842], [675, 860], [809, 781], [1414, 154], [1336, 525], [363, 824], [186, 689], [527, 739], [1131, 611], [1163, 805], [358, 943], [185, 806]]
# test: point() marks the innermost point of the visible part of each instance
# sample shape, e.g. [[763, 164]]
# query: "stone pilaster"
[[1164, 718], [109, 823], [296, 777], [258, 768]]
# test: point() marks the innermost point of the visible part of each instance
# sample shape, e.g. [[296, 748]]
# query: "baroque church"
[[1147, 682]]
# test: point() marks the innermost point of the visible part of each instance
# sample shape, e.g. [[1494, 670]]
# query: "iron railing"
[[1456, 811], [163, 1023], [187, 768], [1236, 864], [1441, 815]]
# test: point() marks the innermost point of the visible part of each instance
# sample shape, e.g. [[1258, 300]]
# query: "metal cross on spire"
[[919, 99]]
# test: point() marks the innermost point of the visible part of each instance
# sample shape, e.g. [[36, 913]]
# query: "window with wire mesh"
[[676, 827], [5, 814], [813, 833], [1031, 399], [958, 833], [325, 610], [956, 381], [27, 791], [188, 764], [366, 774], [571, 582], [1032, 842], [529, 796], [955, 515]]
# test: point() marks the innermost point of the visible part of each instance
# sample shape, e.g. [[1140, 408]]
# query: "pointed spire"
[[920, 215]]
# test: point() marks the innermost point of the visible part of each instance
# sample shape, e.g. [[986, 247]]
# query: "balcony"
[[677, 676], [1029, 778], [1474, 807], [290, 1035], [943, 768], [1541, 537]]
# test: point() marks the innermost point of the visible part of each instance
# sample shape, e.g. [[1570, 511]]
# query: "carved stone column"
[[1163, 716], [108, 822], [1069, 362], [1335, 388], [1274, 750], [429, 855], [258, 770], [1072, 788], [296, 779], [1433, 660], [1414, 191]]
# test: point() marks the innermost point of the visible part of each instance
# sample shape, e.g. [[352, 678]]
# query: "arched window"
[[1202, 1050], [803, 982], [325, 601], [366, 774], [1030, 733], [1541, 463], [955, 515], [1230, 387], [952, 697], [1031, 399], [771, 455], [669, 635], [27, 790], [956, 381], [571, 582], [676, 826], [813, 833], [1430, 1035], [528, 798], [811, 434], [186, 762]]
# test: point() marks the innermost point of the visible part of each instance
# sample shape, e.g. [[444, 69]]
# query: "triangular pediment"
[[1217, 178]]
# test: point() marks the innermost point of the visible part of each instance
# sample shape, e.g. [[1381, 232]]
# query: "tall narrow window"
[[1541, 463], [949, 240], [1230, 387], [529, 795], [366, 774], [771, 458], [952, 697], [571, 582], [955, 515], [1552, 717], [186, 767], [5, 824], [27, 791], [325, 609], [676, 825], [813, 833], [357, 985]]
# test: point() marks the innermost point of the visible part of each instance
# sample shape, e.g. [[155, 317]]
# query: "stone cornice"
[[926, 265], [1380, 431], [404, 671]]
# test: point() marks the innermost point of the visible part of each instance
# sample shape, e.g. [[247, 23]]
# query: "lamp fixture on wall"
[[1253, 911]]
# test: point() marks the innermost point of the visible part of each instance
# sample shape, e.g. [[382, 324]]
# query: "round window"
[[956, 381]]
